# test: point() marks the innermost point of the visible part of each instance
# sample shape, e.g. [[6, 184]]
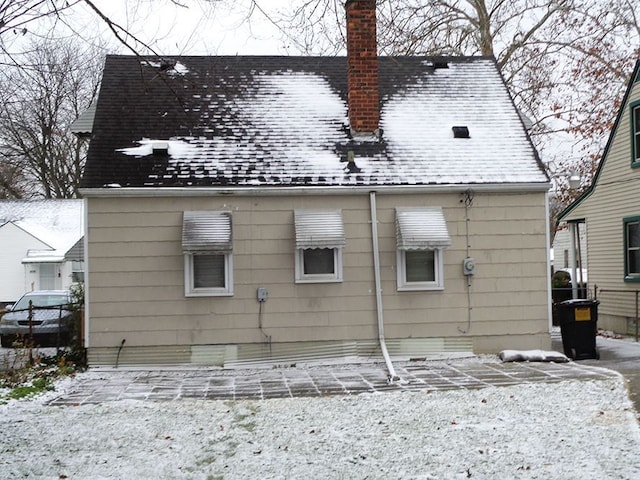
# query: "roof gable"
[[282, 121], [24, 235], [58, 224], [605, 155]]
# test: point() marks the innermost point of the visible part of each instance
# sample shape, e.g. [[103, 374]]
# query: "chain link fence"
[[52, 326]]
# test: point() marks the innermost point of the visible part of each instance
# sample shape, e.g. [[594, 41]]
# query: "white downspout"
[[392, 377], [572, 260], [85, 241]]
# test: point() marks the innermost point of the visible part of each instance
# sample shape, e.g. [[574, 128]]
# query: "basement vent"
[[460, 132]]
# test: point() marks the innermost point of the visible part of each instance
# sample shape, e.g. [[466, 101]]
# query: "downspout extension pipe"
[[392, 376]]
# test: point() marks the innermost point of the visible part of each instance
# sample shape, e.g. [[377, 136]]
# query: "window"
[[635, 134], [632, 249], [77, 273], [422, 236], [319, 243], [207, 248]]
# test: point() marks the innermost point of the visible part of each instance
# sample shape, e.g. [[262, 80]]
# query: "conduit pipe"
[[392, 377]]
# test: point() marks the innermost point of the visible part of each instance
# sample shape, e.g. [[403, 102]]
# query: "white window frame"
[[318, 229], [191, 291], [437, 284], [635, 134], [334, 277], [207, 233], [421, 229]]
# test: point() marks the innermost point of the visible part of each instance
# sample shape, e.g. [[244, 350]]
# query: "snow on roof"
[[57, 223], [421, 118], [172, 68], [283, 121]]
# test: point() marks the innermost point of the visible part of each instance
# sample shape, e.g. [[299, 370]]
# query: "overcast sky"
[[219, 28]]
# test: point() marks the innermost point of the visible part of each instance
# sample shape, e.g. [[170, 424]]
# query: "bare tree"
[[17, 15], [565, 62], [13, 183], [18, 18], [39, 99]]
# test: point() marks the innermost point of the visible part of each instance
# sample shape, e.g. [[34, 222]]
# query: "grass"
[[26, 380], [39, 385]]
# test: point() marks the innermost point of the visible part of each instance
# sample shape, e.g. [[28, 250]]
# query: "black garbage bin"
[[578, 320]]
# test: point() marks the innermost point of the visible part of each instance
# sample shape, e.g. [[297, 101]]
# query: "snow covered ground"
[[567, 430]]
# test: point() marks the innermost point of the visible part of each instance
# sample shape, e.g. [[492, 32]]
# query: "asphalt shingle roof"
[[283, 121]]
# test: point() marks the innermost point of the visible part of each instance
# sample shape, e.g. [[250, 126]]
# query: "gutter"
[[250, 191], [392, 376]]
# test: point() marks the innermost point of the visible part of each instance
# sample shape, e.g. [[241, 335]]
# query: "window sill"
[[420, 288], [208, 294], [318, 280], [632, 279]]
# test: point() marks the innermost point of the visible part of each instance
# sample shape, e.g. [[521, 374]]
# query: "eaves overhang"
[[113, 192], [573, 205]]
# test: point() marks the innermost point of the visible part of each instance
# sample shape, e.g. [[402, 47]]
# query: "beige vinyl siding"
[[614, 198], [136, 273]]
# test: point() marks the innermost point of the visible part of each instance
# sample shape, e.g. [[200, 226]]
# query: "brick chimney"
[[362, 61]]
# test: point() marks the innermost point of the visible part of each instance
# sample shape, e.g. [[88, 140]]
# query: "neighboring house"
[[288, 208], [610, 214], [83, 125], [563, 256], [41, 246]]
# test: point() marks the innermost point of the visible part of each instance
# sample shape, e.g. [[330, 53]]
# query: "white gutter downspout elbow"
[[392, 377]]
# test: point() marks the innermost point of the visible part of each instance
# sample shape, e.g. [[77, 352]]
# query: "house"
[[609, 215], [569, 262], [243, 209], [41, 246], [562, 257]]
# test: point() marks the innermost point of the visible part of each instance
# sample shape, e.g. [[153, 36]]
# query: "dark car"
[[51, 318]]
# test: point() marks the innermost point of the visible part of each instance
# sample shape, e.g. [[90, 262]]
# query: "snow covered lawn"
[[566, 430]]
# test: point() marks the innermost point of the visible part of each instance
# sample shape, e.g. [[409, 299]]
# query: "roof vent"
[[460, 132], [351, 163], [160, 148]]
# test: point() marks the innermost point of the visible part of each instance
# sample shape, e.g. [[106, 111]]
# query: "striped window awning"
[[206, 231], [419, 228], [319, 229]]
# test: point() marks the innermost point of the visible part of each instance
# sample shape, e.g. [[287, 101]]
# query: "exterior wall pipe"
[[392, 377], [549, 285], [572, 259], [85, 241]]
